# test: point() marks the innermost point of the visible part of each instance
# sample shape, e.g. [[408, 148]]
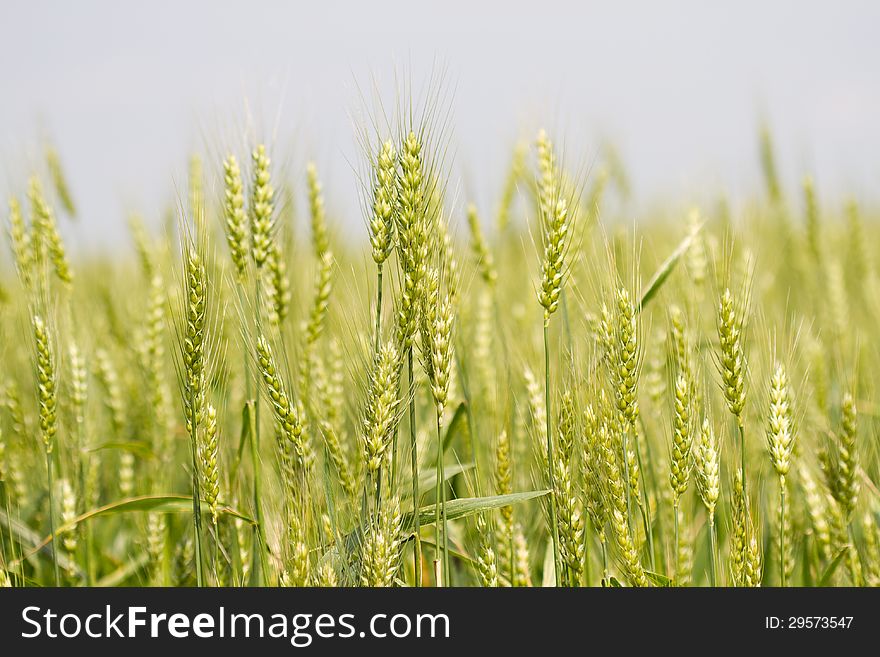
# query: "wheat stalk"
[[47, 396], [706, 464], [555, 235], [780, 442]]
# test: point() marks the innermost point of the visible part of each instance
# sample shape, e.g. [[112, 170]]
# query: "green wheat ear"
[[46, 238], [569, 500], [626, 349], [262, 207], [68, 516], [380, 551], [47, 394], [412, 235], [59, 181], [553, 272], [380, 418], [440, 343], [768, 164], [320, 236], [780, 423], [845, 487], [22, 248], [321, 298], [486, 564], [780, 442], [287, 415], [278, 284], [209, 454], [706, 464], [508, 195], [616, 495], [482, 253], [384, 203], [811, 205], [47, 397], [194, 342], [592, 475], [732, 358], [682, 439], [236, 219]]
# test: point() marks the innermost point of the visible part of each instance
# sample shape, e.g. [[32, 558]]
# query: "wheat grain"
[[320, 236], [482, 253], [46, 238], [262, 207], [381, 548], [236, 218], [380, 417]]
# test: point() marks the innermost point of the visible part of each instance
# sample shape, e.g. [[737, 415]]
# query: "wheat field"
[[539, 392]]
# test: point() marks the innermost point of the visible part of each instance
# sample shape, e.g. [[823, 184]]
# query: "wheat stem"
[[742, 464], [782, 531], [414, 455], [712, 550], [604, 561], [646, 506], [438, 551], [51, 484], [550, 459], [624, 447], [196, 494], [255, 456]]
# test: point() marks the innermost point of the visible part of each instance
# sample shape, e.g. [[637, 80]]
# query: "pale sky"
[[126, 90]]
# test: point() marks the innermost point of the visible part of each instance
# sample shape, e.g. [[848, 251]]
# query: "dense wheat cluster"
[[538, 391]]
